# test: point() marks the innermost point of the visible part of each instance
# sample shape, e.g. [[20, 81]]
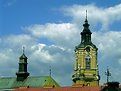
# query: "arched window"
[[87, 62]]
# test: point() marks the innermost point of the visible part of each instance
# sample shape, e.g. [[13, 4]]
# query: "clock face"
[[88, 49]]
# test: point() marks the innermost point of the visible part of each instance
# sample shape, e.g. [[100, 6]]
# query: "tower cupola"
[[86, 35], [22, 73]]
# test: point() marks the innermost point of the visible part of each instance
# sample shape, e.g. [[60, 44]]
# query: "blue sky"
[[19, 13], [50, 29]]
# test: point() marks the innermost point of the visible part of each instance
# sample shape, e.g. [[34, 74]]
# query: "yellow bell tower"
[[86, 68]]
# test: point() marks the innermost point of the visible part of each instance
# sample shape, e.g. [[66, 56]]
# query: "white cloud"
[[17, 41], [41, 54], [105, 16], [3, 56], [61, 34], [51, 30], [109, 51]]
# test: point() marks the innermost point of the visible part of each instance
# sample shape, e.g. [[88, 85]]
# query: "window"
[[87, 62]]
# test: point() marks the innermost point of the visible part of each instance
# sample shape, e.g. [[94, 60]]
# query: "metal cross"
[[108, 74]]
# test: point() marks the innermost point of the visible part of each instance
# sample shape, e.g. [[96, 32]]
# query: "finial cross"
[[108, 74], [23, 49], [50, 71]]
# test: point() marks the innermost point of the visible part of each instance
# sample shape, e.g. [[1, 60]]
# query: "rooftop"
[[32, 82]]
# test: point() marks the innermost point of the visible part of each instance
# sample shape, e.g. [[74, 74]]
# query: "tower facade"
[[86, 68], [22, 73]]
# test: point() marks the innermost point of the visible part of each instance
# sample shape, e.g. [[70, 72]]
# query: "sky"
[[50, 29]]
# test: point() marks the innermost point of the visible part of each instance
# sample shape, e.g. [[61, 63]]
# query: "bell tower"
[[22, 73], [86, 68]]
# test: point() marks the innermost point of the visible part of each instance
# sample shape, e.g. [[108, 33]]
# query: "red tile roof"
[[69, 88]]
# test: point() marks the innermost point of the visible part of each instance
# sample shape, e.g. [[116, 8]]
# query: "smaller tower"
[[22, 73]]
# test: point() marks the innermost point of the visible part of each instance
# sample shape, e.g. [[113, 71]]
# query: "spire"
[[23, 49], [86, 33], [86, 25], [86, 17]]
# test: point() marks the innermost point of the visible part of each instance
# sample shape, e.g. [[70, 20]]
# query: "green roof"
[[34, 82]]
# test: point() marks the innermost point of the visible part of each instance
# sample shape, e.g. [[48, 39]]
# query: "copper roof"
[[31, 81]]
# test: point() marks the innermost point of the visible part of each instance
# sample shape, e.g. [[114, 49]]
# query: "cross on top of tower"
[[108, 74], [50, 71], [23, 49]]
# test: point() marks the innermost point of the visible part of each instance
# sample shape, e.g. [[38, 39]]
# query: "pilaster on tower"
[[86, 68]]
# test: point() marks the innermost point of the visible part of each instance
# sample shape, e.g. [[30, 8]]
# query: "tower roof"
[[86, 36], [23, 56], [32, 82]]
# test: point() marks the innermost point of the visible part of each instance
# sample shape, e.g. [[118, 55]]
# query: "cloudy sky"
[[50, 30]]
